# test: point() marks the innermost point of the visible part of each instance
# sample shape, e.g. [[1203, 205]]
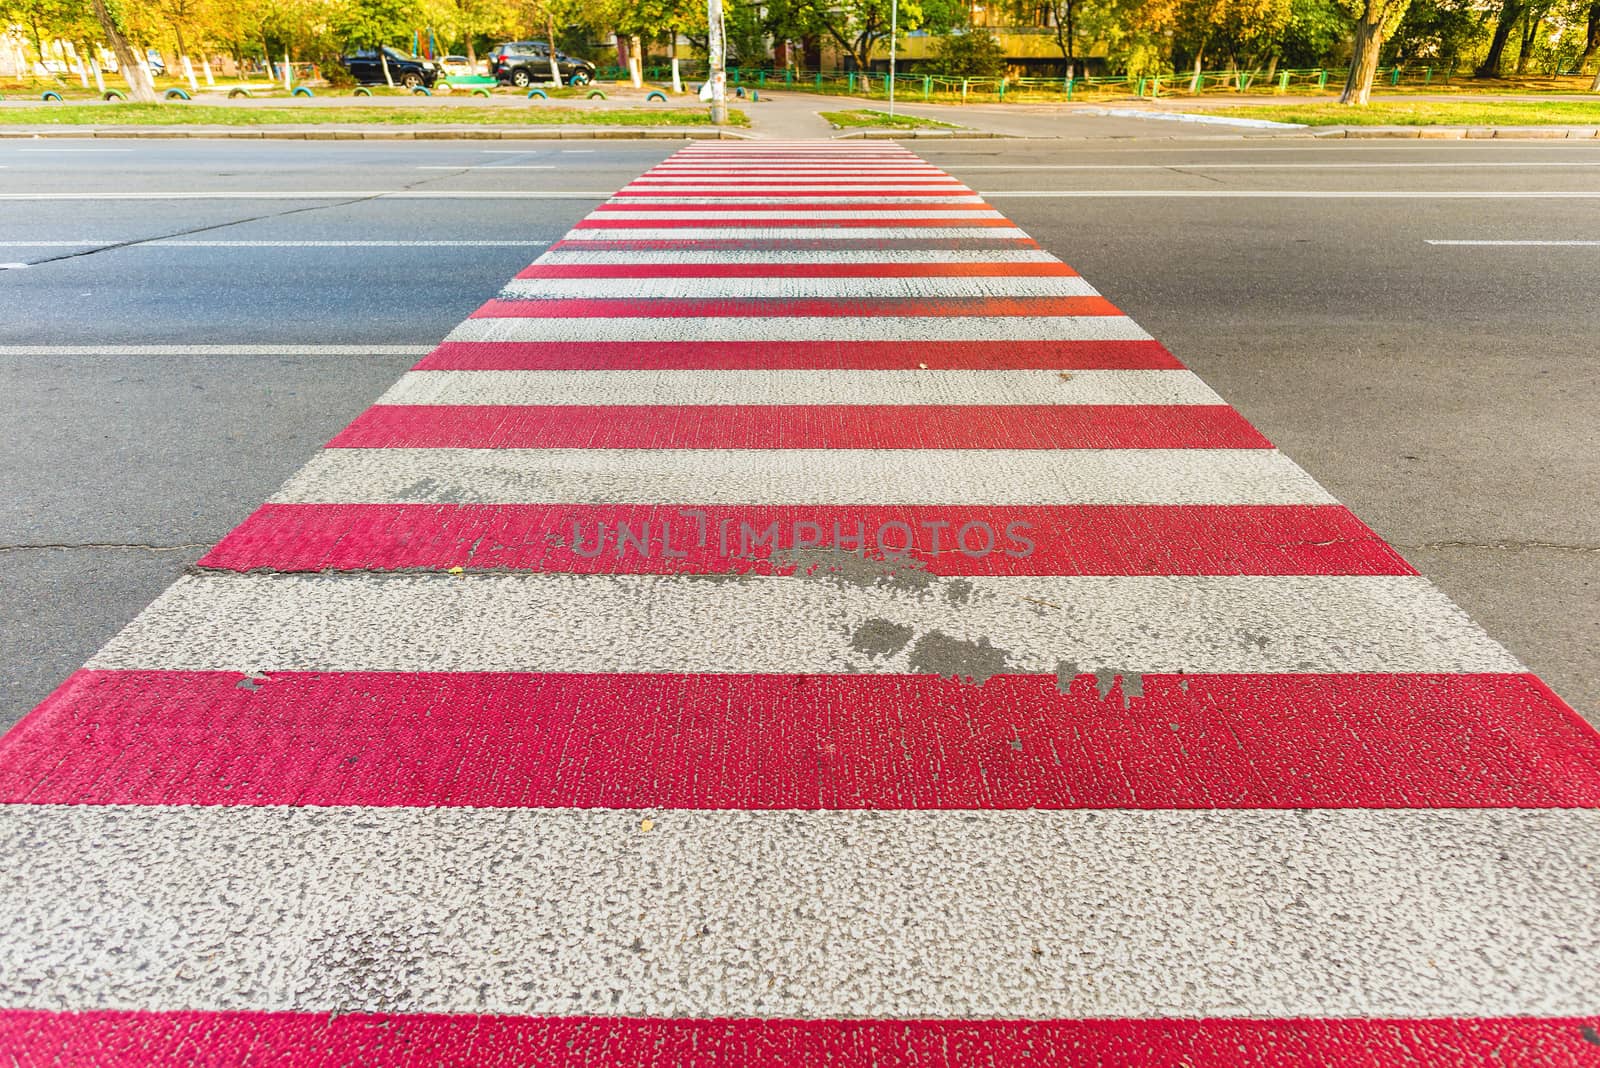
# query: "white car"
[[457, 67]]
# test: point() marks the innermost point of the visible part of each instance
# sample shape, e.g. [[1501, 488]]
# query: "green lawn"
[[180, 114], [882, 120], [1498, 112]]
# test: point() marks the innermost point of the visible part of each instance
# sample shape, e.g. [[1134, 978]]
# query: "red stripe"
[[112, 1039], [804, 355], [592, 223], [758, 208], [796, 244], [801, 426], [1068, 539], [684, 189], [769, 742], [750, 308], [997, 269]]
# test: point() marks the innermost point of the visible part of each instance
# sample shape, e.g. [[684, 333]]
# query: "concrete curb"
[[1459, 133], [368, 133]]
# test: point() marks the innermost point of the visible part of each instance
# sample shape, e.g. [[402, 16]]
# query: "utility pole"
[[894, 31], [719, 75]]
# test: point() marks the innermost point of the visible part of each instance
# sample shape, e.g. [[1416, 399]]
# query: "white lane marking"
[[784, 256], [136, 242], [1522, 244], [12, 266], [803, 476], [777, 286], [347, 194], [765, 387], [778, 329], [1322, 914], [952, 159], [1299, 194], [794, 233], [1322, 624], [215, 350], [492, 167], [352, 244], [1330, 166], [74, 150]]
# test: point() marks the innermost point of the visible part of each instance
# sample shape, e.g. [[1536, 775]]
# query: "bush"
[[970, 53], [337, 76]]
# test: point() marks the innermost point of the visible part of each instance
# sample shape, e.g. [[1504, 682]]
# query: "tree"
[[1591, 41], [970, 53], [856, 26], [141, 89], [1510, 12], [1375, 20]]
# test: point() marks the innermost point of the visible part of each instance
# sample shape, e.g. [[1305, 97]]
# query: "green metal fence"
[[914, 86]]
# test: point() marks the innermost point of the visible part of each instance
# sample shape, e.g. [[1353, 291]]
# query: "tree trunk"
[[1363, 63], [550, 35], [1490, 68], [1591, 43], [1530, 34], [1272, 67], [140, 88], [1199, 54]]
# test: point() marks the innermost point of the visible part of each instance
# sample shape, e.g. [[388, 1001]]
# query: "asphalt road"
[[1445, 392]]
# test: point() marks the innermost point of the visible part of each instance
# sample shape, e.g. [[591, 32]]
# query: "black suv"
[[366, 68], [525, 63]]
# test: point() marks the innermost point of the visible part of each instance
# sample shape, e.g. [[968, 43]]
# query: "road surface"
[[806, 622]]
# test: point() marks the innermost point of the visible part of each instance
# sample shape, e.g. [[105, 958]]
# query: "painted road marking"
[[801, 625], [789, 387], [157, 242], [214, 350], [1091, 194], [801, 476], [1527, 244], [870, 622], [1496, 887]]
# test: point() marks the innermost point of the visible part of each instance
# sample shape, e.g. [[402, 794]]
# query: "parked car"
[[366, 67], [458, 67], [525, 63]]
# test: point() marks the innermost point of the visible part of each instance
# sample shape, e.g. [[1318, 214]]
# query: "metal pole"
[[719, 76], [894, 31]]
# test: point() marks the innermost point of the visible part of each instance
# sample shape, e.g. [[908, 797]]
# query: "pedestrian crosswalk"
[[800, 621]]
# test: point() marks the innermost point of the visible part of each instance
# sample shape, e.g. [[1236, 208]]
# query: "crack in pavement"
[[1510, 546], [405, 186]]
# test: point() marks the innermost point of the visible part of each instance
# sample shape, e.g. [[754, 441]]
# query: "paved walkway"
[[800, 621]]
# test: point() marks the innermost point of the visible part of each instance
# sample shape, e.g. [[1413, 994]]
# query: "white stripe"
[[1521, 244], [302, 194], [215, 350], [835, 387], [778, 257], [658, 200], [796, 233], [1189, 165], [815, 328], [648, 624], [801, 476], [925, 287], [752, 215], [136, 242], [650, 183], [814, 915]]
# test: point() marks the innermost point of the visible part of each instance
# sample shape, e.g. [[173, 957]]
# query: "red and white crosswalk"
[[800, 621]]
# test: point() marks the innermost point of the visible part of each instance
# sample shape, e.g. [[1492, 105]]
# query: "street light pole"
[[894, 31], [717, 46]]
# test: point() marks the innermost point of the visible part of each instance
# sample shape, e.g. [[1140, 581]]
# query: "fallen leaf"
[[647, 825]]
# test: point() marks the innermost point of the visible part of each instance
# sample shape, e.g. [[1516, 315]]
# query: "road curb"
[[1459, 133]]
